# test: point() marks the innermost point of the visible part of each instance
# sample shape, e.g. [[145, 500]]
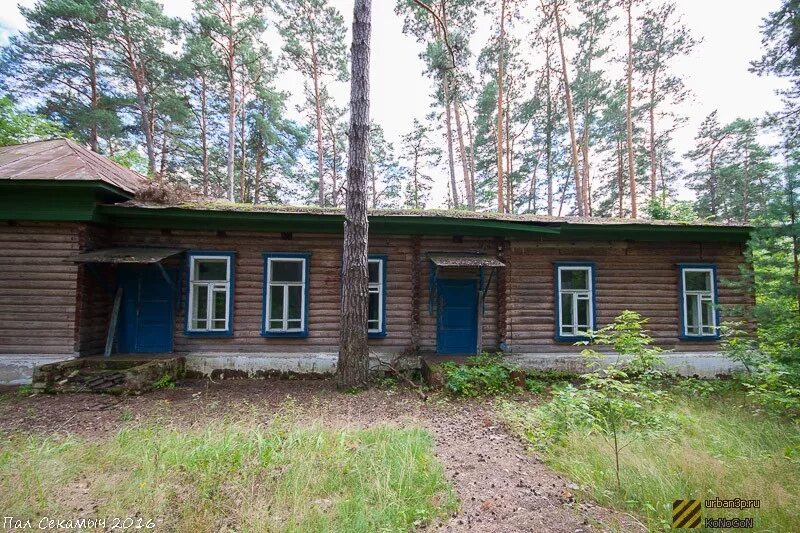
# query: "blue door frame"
[[146, 320], [457, 317]]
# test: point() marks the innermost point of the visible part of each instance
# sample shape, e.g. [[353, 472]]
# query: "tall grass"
[[231, 476], [719, 448]]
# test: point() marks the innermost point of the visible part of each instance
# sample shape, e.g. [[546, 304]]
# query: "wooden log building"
[[251, 289]]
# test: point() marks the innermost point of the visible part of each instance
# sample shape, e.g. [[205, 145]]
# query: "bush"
[[482, 375]]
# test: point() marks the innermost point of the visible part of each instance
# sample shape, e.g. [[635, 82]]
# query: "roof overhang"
[[465, 260], [125, 255]]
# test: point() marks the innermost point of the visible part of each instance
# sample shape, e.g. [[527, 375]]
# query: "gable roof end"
[[64, 160]]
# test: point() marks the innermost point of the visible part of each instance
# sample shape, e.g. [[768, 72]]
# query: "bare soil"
[[502, 487]]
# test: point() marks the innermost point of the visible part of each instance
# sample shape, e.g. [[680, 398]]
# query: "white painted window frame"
[[211, 287], [378, 287], [698, 298], [284, 286], [577, 294]]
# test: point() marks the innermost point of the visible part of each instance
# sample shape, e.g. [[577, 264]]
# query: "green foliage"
[[164, 382], [661, 209], [482, 375], [24, 390], [19, 127]]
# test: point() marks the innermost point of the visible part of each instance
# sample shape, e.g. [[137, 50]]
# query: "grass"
[[231, 476], [720, 448]]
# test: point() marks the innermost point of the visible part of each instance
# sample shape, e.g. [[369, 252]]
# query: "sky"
[[716, 72]]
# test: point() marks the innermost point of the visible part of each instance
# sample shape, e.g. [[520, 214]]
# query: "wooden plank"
[[112, 325]]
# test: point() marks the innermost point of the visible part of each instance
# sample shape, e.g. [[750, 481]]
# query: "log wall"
[[38, 290], [639, 276]]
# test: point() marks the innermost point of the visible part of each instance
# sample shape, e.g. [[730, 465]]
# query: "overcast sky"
[[716, 72]]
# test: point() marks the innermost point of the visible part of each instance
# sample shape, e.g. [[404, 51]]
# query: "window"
[[698, 301], [376, 315], [575, 300], [210, 293], [286, 294]]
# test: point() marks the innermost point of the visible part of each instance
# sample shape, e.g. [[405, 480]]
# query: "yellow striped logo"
[[686, 514]]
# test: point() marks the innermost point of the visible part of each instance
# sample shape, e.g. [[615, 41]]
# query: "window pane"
[[276, 305], [287, 270], [374, 306], [575, 279], [294, 324], [211, 270], [200, 323], [219, 324], [692, 326], [276, 324], [200, 305], [374, 271], [295, 302], [583, 314], [698, 281], [220, 300], [566, 310], [708, 312]]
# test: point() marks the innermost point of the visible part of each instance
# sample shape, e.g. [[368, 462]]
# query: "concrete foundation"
[[17, 370]]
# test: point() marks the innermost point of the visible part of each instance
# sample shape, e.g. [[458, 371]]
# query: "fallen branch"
[[392, 366]]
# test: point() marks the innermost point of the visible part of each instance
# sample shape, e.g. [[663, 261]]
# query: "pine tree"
[[314, 32], [232, 26], [60, 62], [420, 156], [352, 369], [662, 39]]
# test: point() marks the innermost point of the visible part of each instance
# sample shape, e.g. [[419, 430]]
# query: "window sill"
[[376, 335], [208, 333], [700, 338], [295, 334], [572, 338]]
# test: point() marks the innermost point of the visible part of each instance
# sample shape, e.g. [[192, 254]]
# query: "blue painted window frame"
[[306, 257], [377, 334], [592, 266], [190, 255], [683, 333]]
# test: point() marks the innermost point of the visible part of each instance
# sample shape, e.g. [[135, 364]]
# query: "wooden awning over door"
[[125, 255]]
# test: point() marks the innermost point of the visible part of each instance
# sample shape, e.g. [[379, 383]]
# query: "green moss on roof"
[[432, 213]]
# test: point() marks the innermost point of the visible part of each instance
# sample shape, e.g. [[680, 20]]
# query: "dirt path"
[[501, 486]]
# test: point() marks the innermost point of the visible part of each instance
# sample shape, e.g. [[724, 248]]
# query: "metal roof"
[[125, 255], [64, 160], [464, 260]]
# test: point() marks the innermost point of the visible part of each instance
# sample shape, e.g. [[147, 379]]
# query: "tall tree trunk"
[[146, 125], [449, 128], [620, 180], [257, 177], [509, 170], [629, 111], [353, 367], [416, 179], [795, 239], [243, 155], [548, 134], [93, 142], [204, 131], [653, 154], [318, 118], [231, 66], [500, 59], [570, 113], [746, 187], [471, 156], [586, 199], [162, 170], [470, 194]]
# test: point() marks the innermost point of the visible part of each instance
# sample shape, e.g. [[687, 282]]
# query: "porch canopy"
[[125, 255], [455, 260], [465, 260]]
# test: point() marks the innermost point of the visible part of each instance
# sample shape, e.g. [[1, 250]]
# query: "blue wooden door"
[[146, 314], [457, 323]]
